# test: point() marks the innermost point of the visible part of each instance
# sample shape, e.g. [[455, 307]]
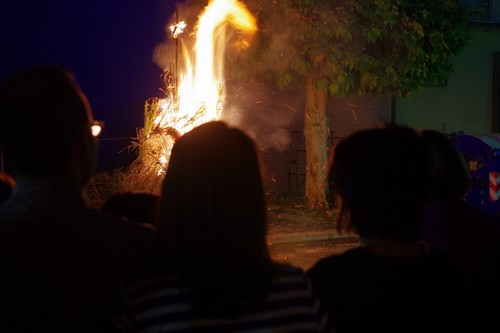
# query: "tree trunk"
[[316, 142]]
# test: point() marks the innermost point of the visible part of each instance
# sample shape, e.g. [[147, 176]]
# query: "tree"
[[350, 48]]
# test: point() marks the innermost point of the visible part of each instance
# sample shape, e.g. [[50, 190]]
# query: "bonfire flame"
[[197, 95], [200, 95]]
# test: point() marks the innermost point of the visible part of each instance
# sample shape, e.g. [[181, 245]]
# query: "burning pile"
[[193, 90]]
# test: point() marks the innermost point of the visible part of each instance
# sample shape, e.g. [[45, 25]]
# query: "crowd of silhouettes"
[[195, 258]]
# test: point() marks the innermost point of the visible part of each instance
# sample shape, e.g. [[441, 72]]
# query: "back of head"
[[213, 199], [451, 176], [43, 116], [382, 177], [213, 216]]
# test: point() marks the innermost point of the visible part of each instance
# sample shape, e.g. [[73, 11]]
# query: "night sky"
[[108, 44]]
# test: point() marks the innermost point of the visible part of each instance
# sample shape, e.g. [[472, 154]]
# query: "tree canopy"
[[387, 47], [350, 48]]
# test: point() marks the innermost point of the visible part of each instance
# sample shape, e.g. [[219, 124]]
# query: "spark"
[[177, 29]]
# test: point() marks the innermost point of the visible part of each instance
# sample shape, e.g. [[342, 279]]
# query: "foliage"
[[349, 48], [386, 47]]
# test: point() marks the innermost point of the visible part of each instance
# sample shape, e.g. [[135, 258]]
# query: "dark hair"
[[140, 207], [382, 178], [451, 176], [213, 223], [42, 113]]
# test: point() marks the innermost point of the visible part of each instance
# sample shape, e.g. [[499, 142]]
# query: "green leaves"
[[369, 46]]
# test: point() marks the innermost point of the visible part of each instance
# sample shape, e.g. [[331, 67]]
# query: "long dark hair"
[[213, 223]]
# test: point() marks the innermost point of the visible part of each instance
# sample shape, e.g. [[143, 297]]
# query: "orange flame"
[[194, 91], [200, 95]]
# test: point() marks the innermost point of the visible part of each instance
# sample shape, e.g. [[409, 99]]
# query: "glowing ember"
[[194, 90], [177, 29]]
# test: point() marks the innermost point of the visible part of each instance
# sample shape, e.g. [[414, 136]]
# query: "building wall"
[[465, 102]]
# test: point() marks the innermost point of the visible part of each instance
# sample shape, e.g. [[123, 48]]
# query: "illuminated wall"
[[465, 103]]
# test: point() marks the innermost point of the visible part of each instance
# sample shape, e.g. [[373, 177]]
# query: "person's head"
[[213, 214], [141, 207], [451, 176], [213, 199], [381, 177], [45, 124], [7, 184]]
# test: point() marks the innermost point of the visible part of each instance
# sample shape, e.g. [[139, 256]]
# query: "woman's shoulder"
[[349, 258], [146, 281], [287, 276], [287, 271], [284, 268]]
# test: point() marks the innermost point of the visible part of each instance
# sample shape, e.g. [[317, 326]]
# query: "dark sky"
[[108, 44]]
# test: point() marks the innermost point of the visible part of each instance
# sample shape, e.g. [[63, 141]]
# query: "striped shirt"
[[158, 304]]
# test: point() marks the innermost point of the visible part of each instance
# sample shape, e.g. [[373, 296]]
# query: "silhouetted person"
[[465, 233], [59, 261], [7, 184], [452, 225], [214, 272], [391, 282], [139, 207]]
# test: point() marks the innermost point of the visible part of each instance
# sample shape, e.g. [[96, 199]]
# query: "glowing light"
[[96, 128], [200, 93], [177, 29], [194, 89]]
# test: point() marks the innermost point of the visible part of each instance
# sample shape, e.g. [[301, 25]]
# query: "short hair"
[[451, 175], [42, 113], [382, 177], [213, 217]]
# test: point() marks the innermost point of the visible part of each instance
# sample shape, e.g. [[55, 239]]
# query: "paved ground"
[[306, 254], [300, 236]]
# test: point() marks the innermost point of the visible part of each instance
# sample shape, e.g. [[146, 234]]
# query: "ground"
[[301, 236], [289, 213]]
